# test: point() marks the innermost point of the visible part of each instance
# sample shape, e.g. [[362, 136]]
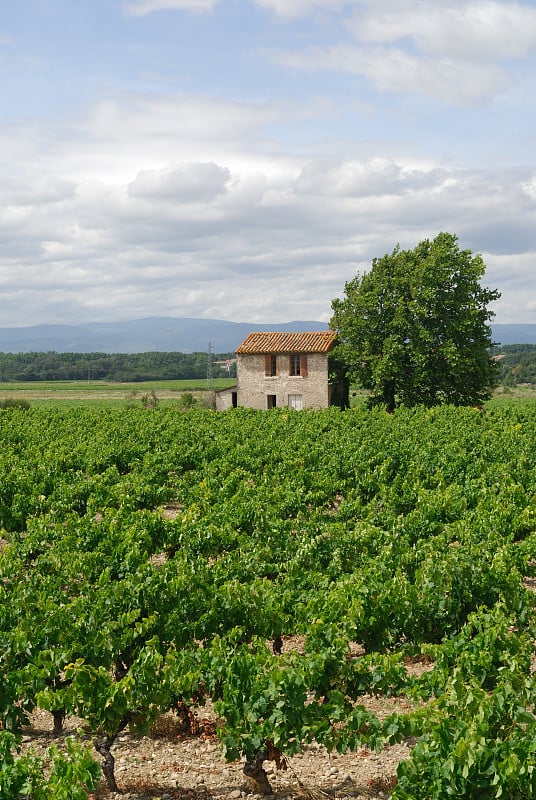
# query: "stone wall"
[[224, 398], [254, 387]]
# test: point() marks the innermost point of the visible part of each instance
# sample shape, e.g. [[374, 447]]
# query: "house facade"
[[288, 370]]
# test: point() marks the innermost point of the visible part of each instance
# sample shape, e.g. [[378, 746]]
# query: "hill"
[[153, 334], [521, 333], [176, 334]]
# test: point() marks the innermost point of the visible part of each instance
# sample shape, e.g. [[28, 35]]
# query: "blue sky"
[[243, 159]]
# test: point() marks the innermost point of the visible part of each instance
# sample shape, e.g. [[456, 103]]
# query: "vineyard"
[[153, 561]]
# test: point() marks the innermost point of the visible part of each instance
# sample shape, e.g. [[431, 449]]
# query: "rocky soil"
[[169, 764]]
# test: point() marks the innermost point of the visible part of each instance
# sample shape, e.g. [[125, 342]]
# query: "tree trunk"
[[256, 775], [277, 646], [103, 746], [59, 718], [185, 717], [389, 396]]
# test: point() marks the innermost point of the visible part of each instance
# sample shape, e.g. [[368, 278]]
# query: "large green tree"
[[414, 329]]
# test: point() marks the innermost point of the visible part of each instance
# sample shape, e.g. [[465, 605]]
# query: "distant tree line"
[[121, 367], [518, 363]]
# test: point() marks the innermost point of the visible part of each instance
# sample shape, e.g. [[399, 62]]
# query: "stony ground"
[[168, 764]]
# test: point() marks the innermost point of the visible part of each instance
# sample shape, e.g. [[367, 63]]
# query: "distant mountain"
[[153, 334], [176, 334], [522, 333]]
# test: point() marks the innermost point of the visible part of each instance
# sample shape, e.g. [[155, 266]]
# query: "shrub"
[[14, 402]]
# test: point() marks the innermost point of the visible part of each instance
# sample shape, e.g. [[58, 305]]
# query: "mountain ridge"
[[177, 334], [158, 334]]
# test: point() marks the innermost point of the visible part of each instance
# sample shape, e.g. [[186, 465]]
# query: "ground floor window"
[[295, 401], [271, 401]]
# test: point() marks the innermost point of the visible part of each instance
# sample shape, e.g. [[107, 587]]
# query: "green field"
[[64, 393], [93, 393]]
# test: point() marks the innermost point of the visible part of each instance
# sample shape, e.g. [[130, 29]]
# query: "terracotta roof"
[[292, 342]]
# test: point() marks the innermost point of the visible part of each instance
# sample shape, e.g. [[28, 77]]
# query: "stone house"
[[287, 370]]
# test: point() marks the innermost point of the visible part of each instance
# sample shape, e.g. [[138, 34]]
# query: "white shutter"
[[295, 401]]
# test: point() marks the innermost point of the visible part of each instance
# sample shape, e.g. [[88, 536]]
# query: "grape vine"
[[369, 539]]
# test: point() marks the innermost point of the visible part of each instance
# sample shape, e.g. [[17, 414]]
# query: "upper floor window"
[[298, 365], [270, 366]]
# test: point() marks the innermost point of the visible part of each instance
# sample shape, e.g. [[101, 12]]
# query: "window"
[[295, 401], [297, 365], [270, 366], [271, 401]]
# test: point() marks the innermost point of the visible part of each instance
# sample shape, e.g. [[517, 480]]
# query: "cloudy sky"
[[242, 159]]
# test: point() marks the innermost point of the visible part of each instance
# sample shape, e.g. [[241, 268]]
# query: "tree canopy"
[[414, 329], [517, 363]]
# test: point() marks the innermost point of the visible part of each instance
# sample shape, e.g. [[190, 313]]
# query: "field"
[[75, 393], [104, 392], [523, 391], [319, 582]]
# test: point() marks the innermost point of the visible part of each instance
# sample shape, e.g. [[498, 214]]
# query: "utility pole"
[[210, 374]]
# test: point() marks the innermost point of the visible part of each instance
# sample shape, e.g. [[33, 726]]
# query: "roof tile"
[[291, 342]]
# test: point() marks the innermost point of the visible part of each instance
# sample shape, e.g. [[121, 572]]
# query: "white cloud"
[[378, 176], [227, 236], [197, 183], [457, 52], [123, 135], [298, 8], [141, 7], [487, 30], [40, 191], [184, 204], [289, 9], [394, 69]]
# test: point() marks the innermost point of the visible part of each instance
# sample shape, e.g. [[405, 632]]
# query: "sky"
[[243, 159]]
